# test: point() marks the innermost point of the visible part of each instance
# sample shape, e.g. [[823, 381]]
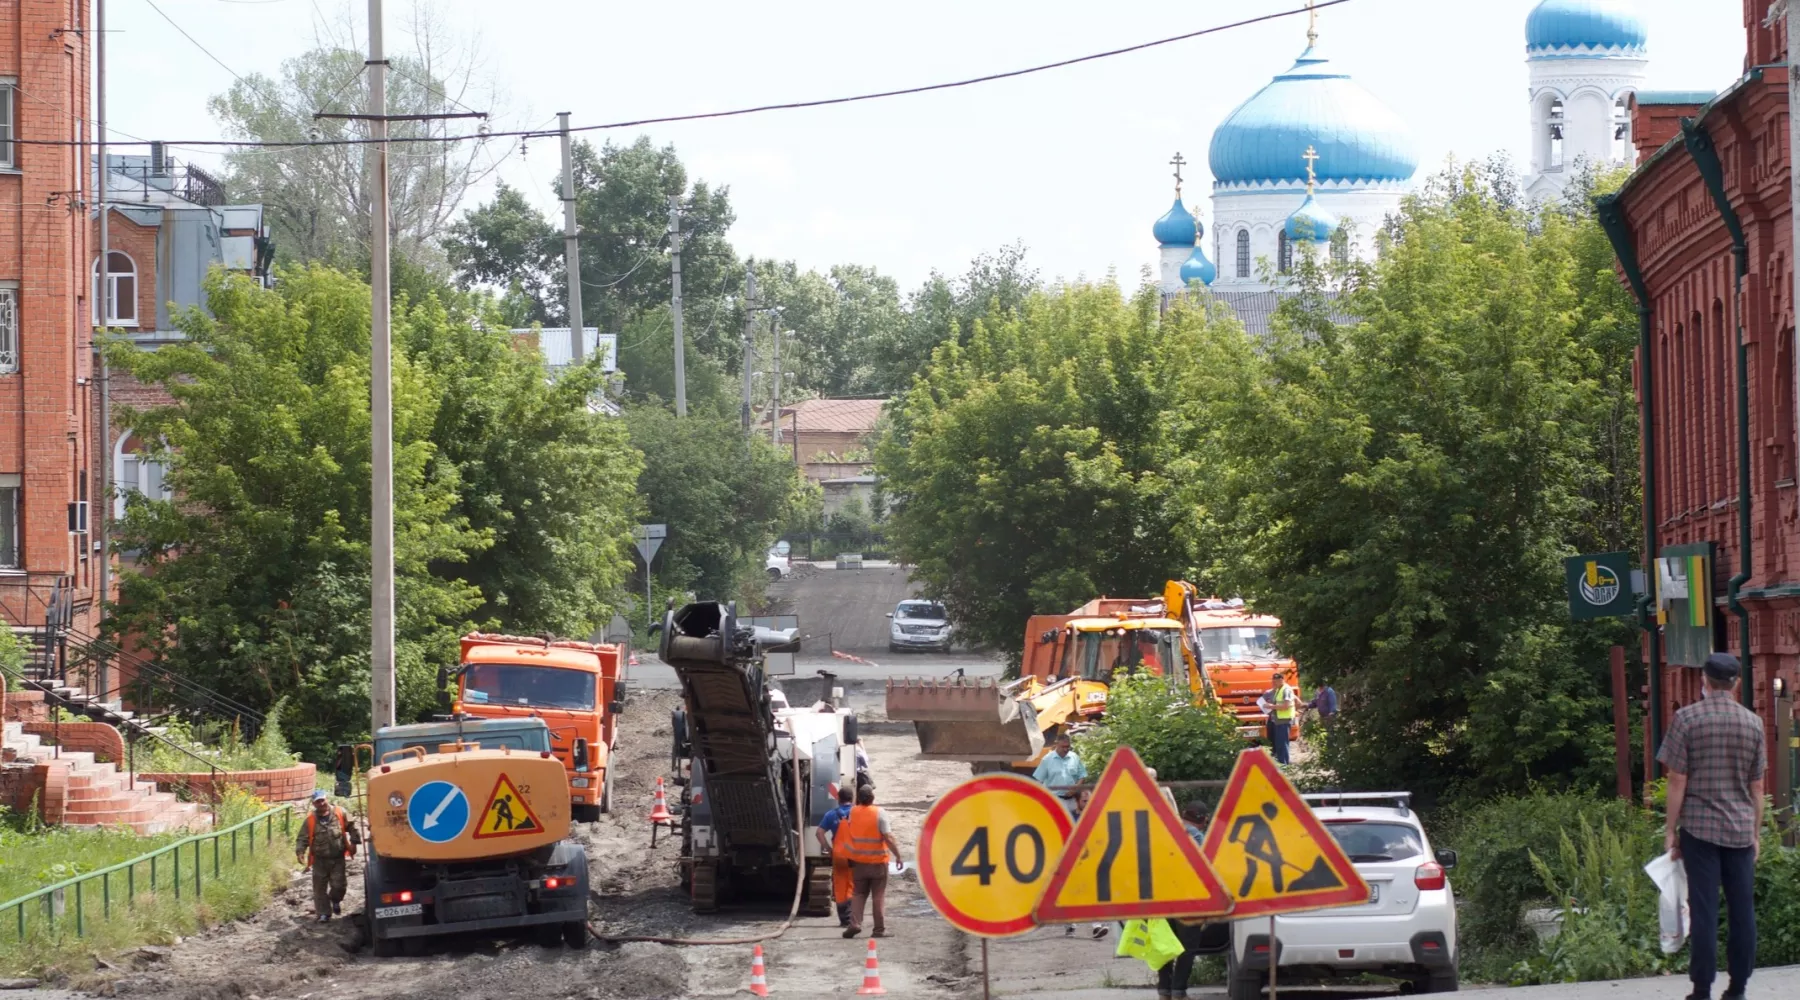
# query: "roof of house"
[[849, 416]]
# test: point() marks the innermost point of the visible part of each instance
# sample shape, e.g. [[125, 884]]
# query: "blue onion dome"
[[1176, 228], [1311, 222], [1197, 268], [1358, 138], [1586, 27]]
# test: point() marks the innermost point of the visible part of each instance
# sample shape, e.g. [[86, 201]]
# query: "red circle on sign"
[[928, 874]]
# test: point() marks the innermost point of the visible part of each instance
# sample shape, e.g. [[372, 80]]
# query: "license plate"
[[1374, 894], [409, 910]]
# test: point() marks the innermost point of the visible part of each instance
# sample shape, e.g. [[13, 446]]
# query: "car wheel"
[[1443, 981], [1241, 984], [774, 574], [893, 648]]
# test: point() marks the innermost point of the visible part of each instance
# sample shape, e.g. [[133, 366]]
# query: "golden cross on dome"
[[1178, 162], [1312, 24], [1311, 156]]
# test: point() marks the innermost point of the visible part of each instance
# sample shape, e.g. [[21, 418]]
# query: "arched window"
[[121, 279], [1340, 246], [1621, 145], [136, 470], [1243, 253], [1284, 253], [1555, 162]]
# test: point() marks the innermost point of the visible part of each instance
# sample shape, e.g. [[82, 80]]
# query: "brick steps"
[[101, 795]]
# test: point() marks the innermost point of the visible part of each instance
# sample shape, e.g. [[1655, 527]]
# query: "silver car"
[[919, 624]]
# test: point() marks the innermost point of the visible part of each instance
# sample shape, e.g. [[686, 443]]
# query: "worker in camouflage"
[[327, 841]]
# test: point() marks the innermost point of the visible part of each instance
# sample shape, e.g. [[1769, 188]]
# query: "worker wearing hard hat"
[[327, 840]]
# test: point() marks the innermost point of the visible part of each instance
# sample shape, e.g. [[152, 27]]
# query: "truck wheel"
[[605, 793], [549, 935], [704, 888], [585, 814], [575, 934], [385, 947]]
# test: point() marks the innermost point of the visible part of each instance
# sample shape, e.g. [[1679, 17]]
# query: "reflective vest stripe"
[[864, 844]]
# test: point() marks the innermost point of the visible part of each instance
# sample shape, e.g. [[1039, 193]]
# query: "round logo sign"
[[438, 812], [987, 848], [1599, 586]]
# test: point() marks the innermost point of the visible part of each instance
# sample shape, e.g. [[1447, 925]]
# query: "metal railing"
[[53, 901]]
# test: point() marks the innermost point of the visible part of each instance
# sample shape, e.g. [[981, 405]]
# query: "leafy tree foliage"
[[1025, 470], [946, 308], [255, 580], [1401, 491], [507, 243], [1180, 740], [722, 495]]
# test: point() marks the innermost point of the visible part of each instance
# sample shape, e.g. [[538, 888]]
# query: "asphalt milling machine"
[[755, 774]]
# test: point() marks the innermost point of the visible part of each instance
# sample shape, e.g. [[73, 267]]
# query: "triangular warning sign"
[[1129, 856], [507, 814], [1271, 851]]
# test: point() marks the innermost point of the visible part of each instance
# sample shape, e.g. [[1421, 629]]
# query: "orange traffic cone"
[[759, 983], [871, 973], [659, 811]]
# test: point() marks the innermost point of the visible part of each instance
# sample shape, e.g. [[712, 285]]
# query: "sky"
[[1071, 162]]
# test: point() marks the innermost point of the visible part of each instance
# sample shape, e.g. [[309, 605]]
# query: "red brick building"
[[46, 359], [1682, 253]]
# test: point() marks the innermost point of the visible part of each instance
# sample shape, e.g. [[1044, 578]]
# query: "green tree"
[[255, 581], [1400, 491], [1180, 740], [946, 308], [1024, 472], [723, 495], [837, 319], [508, 244]]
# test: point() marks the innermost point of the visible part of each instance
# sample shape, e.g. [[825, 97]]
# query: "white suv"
[[1406, 930]]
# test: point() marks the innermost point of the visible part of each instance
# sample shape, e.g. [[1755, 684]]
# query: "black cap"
[[1722, 666]]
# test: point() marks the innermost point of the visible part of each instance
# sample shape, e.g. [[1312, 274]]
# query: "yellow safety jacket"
[[1154, 941], [1284, 703]]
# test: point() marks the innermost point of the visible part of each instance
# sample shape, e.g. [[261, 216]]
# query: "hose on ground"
[[793, 909]]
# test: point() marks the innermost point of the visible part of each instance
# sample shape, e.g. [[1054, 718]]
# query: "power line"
[[736, 112]]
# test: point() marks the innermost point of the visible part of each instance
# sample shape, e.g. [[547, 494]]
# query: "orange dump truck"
[[575, 687]]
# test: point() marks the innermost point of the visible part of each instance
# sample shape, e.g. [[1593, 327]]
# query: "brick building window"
[[137, 472], [9, 328], [121, 280], [9, 520], [6, 125]]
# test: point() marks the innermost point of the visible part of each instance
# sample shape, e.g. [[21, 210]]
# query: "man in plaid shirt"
[[1716, 756]]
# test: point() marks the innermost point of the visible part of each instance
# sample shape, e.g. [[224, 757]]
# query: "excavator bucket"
[[962, 719]]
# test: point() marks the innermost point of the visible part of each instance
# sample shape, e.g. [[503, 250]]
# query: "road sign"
[[985, 849], [1130, 856], [1599, 585], [649, 539], [1272, 852], [507, 813], [438, 812]]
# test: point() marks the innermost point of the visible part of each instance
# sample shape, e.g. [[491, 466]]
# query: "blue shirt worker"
[[1060, 771], [841, 884], [1326, 704]]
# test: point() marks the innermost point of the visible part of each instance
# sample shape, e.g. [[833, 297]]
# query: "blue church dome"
[[1311, 223], [1359, 139], [1595, 24], [1197, 268], [1176, 227]]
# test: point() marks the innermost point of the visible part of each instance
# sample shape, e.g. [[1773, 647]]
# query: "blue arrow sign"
[[438, 811]]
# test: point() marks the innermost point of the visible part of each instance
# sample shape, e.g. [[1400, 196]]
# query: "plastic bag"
[[1672, 913]]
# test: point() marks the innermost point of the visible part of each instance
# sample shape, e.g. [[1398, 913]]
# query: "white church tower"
[[1586, 59]]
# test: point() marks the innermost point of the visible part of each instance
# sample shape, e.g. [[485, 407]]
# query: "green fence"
[[66, 902]]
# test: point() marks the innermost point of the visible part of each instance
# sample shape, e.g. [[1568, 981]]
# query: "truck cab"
[[574, 687]]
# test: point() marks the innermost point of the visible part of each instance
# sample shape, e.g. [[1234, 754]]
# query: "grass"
[[32, 857], [230, 752]]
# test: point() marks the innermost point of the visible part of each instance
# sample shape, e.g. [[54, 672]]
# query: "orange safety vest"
[[312, 823], [863, 845]]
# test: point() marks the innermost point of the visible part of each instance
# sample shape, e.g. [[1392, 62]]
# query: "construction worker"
[[327, 840], [869, 843], [839, 847], [1279, 702], [1060, 771]]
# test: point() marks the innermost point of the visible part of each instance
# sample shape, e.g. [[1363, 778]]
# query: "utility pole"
[[749, 339], [100, 504], [572, 244], [775, 388], [680, 347], [381, 411]]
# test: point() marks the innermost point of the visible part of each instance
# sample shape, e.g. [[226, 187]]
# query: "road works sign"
[[985, 850], [1599, 585], [1130, 857], [1271, 851], [507, 813]]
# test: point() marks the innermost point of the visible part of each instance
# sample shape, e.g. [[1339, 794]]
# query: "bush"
[[269, 751], [1777, 904], [1495, 841], [1609, 911], [1180, 740]]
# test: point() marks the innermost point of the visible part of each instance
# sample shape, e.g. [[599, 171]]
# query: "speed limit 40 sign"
[[985, 850]]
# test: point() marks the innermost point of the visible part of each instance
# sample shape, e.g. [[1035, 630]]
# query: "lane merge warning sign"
[[1130, 857], [507, 813], [1272, 853]]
